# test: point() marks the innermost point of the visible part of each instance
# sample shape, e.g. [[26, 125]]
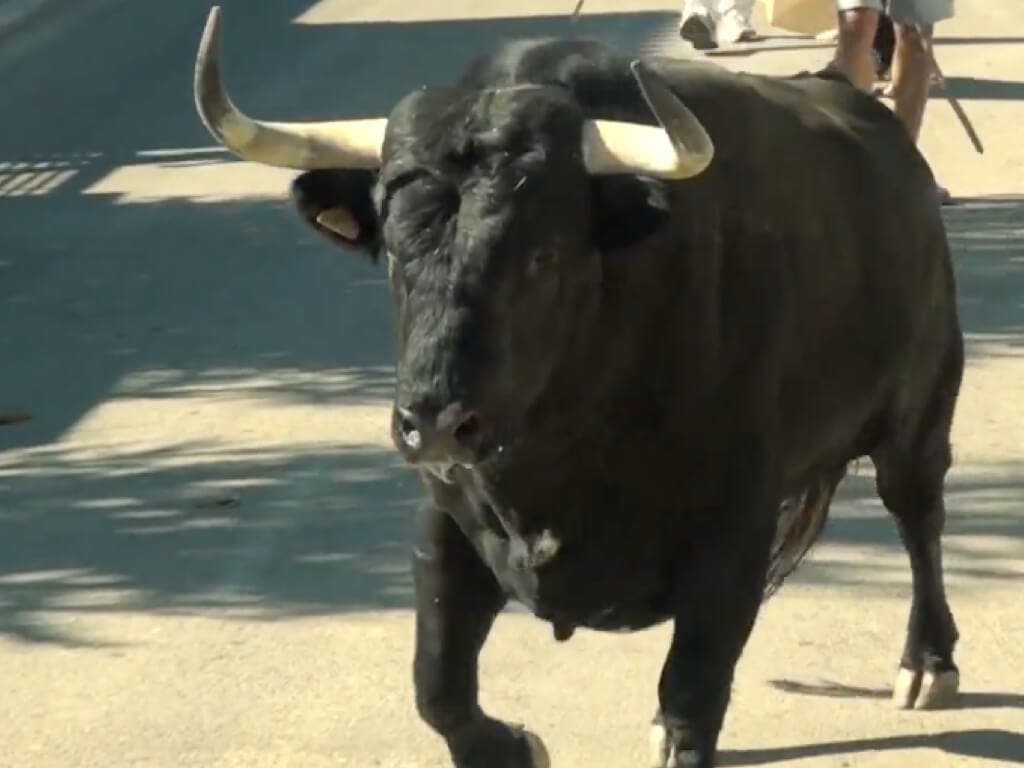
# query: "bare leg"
[[911, 75], [853, 55]]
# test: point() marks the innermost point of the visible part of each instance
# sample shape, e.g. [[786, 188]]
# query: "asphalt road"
[[202, 524]]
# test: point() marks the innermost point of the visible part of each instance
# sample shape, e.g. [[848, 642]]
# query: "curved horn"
[[302, 146], [679, 149]]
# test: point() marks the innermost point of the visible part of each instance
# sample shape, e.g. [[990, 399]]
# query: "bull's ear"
[[628, 209], [339, 205]]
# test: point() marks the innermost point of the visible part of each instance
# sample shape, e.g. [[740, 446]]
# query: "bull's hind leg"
[[911, 471], [457, 600]]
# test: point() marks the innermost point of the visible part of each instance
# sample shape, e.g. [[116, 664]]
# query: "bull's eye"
[[541, 259]]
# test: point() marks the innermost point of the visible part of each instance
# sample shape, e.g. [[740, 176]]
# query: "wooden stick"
[[957, 109]]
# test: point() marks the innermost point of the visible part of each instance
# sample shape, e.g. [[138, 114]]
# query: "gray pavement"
[[202, 523]]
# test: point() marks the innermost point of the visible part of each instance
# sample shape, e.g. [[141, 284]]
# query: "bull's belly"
[[591, 590], [604, 612]]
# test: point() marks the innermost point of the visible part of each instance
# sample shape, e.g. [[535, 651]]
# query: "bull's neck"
[[612, 350]]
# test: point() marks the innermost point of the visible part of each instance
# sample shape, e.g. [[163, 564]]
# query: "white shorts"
[[905, 11]]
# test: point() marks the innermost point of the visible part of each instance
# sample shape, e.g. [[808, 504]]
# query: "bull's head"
[[491, 207]]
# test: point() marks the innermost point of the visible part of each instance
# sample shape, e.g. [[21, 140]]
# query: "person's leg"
[[858, 22], [913, 65], [697, 24], [911, 75]]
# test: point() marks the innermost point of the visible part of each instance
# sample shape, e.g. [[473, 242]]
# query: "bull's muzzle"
[[425, 434]]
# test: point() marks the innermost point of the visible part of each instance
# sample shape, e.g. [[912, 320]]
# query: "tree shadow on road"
[[175, 298], [195, 527], [109, 297], [987, 240], [124, 285]]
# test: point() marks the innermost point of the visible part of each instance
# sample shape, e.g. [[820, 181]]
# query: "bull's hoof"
[[660, 749], [939, 690], [492, 743], [538, 752], [664, 755], [916, 689], [908, 684]]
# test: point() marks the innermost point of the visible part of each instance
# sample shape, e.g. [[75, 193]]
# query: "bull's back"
[[869, 292], [819, 197]]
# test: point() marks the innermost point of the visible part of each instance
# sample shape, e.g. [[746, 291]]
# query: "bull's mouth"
[[447, 469], [446, 473], [450, 468]]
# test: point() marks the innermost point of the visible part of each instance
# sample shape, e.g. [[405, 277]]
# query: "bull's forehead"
[[458, 130], [477, 169]]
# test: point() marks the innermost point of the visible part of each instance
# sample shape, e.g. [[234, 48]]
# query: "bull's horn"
[[302, 146], [679, 149]]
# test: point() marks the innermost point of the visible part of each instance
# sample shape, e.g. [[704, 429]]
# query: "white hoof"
[[939, 690], [904, 692], [660, 751], [538, 752], [926, 690]]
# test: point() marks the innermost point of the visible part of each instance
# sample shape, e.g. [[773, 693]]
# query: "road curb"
[[15, 13]]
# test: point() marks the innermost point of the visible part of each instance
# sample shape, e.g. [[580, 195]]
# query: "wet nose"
[[454, 433]]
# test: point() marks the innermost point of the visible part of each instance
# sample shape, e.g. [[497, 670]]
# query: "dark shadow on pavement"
[[986, 744], [193, 527], [833, 690], [987, 240], [795, 42], [966, 88], [96, 289], [941, 40], [176, 295]]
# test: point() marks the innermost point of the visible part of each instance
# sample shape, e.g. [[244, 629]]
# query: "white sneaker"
[[699, 30], [733, 28]]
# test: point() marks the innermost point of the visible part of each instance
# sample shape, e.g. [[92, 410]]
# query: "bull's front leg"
[[457, 600], [718, 598]]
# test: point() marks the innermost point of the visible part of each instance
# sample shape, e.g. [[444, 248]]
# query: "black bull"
[[631, 399]]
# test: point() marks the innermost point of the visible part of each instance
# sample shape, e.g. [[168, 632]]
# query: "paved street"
[[203, 525]]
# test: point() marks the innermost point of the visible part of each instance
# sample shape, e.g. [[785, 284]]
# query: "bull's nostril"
[[409, 428], [468, 430], [425, 433]]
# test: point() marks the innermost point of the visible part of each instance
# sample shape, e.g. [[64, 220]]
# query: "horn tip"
[[639, 69], [210, 32], [642, 74], [209, 96]]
